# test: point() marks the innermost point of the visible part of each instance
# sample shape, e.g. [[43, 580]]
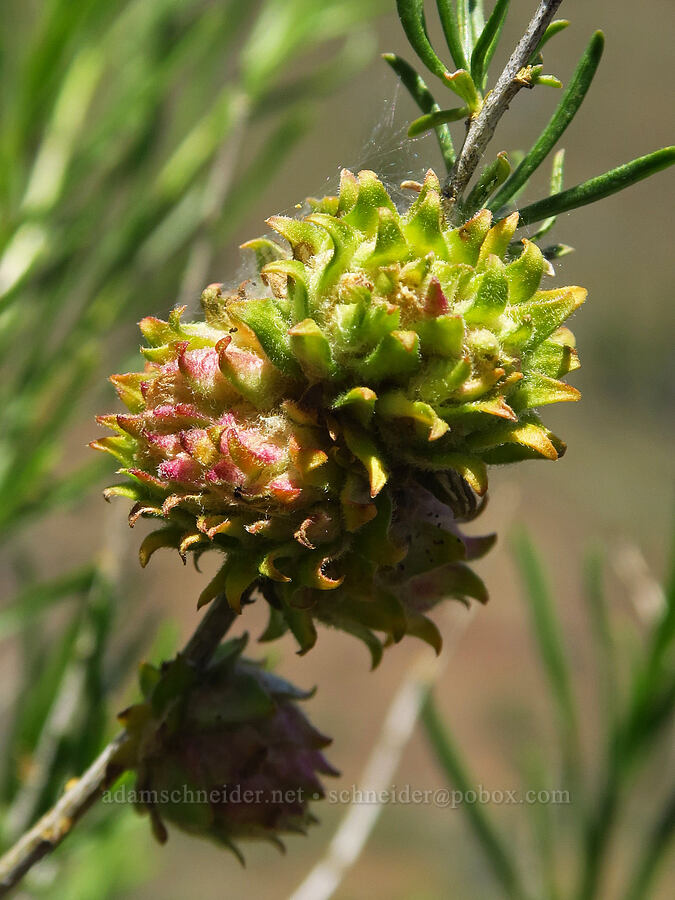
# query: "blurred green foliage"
[[574, 844], [133, 138]]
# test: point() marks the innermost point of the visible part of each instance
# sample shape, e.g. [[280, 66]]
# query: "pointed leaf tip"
[[600, 187], [566, 110], [411, 15]]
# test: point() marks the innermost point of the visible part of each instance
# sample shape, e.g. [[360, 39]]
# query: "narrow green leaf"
[[471, 21], [535, 767], [554, 28], [450, 760], [547, 81], [567, 108], [424, 99], [88, 735], [650, 707], [434, 119], [602, 634], [448, 17], [597, 188], [463, 85], [356, 53], [411, 14], [282, 32], [263, 167], [464, 26], [199, 144], [477, 18], [490, 178], [35, 599], [37, 694], [547, 632], [652, 692], [556, 183], [654, 850], [487, 43]]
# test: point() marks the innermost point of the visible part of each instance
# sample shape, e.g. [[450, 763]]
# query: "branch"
[[52, 828], [82, 793], [496, 103], [209, 633]]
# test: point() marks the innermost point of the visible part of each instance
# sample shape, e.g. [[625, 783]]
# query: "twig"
[[82, 793], [359, 821], [217, 621], [52, 828], [496, 103]]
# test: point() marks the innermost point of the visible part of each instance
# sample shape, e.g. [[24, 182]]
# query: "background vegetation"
[[140, 143]]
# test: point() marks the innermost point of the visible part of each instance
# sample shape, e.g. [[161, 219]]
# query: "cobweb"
[[386, 149], [390, 153]]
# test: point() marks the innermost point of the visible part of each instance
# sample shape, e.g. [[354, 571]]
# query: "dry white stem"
[[645, 593], [356, 826]]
